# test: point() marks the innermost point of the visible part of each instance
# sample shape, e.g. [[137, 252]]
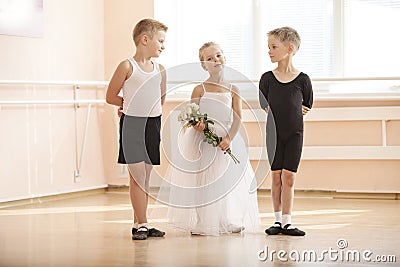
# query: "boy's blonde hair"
[[204, 46], [287, 35], [148, 27]]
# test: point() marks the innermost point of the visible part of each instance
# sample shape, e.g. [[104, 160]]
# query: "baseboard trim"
[[5, 203], [300, 193], [339, 194], [261, 193]]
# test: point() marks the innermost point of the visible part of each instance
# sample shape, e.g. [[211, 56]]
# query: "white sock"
[[278, 216], [286, 219], [142, 224], [135, 225]]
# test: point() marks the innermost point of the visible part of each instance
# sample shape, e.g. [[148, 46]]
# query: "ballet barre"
[[76, 102], [51, 102], [383, 151]]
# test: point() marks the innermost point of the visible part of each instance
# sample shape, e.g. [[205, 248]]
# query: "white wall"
[[37, 149], [40, 145]]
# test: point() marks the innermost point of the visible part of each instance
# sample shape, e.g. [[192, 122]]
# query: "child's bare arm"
[[116, 82], [237, 118], [163, 84]]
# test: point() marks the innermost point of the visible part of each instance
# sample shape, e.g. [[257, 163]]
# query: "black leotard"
[[285, 102]]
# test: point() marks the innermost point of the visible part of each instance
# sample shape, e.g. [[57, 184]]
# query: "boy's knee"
[[276, 181], [137, 182], [288, 178], [288, 182]]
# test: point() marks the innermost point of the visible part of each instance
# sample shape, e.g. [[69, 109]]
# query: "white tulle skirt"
[[207, 193]]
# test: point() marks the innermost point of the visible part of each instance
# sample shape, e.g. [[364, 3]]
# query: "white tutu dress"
[[207, 192]]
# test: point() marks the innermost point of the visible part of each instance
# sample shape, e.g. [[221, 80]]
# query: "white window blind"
[[193, 23], [313, 19], [350, 38], [371, 38], [241, 30]]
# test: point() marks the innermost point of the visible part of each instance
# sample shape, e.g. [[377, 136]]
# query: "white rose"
[[195, 107], [188, 110]]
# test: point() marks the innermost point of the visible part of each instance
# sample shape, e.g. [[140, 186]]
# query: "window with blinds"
[[193, 23], [242, 28], [339, 37], [313, 19]]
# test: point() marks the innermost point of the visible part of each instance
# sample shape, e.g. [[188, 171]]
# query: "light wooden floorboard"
[[94, 230]]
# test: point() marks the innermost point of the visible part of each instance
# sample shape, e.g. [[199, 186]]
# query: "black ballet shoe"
[[141, 233], [274, 229], [153, 232], [288, 229]]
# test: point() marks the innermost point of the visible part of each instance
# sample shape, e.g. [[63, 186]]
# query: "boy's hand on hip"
[[304, 110]]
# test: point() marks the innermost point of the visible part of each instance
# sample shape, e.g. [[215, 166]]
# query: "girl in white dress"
[[211, 194]]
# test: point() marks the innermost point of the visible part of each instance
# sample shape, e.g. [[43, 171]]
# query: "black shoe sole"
[[273, 231], [152, 233], [155, 233], [139, 237], [293, 232]]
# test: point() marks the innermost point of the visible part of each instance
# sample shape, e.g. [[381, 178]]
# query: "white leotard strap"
[[204, 89]]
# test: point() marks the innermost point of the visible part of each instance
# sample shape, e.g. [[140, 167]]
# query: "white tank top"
[[142, 92]]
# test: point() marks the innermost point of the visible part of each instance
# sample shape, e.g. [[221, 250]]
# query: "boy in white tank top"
[[143, 83]]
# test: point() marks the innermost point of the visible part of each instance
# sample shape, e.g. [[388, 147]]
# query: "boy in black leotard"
[[286, 94]]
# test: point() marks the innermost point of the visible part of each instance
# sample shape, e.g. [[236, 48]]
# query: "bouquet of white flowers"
[[190, 116]]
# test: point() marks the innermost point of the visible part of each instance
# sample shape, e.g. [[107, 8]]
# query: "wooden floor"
[[94, 230]]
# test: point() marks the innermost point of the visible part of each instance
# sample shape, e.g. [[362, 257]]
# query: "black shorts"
[[139, 139], [286, 153]]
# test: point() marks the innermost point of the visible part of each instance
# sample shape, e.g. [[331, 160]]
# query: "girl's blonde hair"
[[148, 27], [287, 35], [206, 45]]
